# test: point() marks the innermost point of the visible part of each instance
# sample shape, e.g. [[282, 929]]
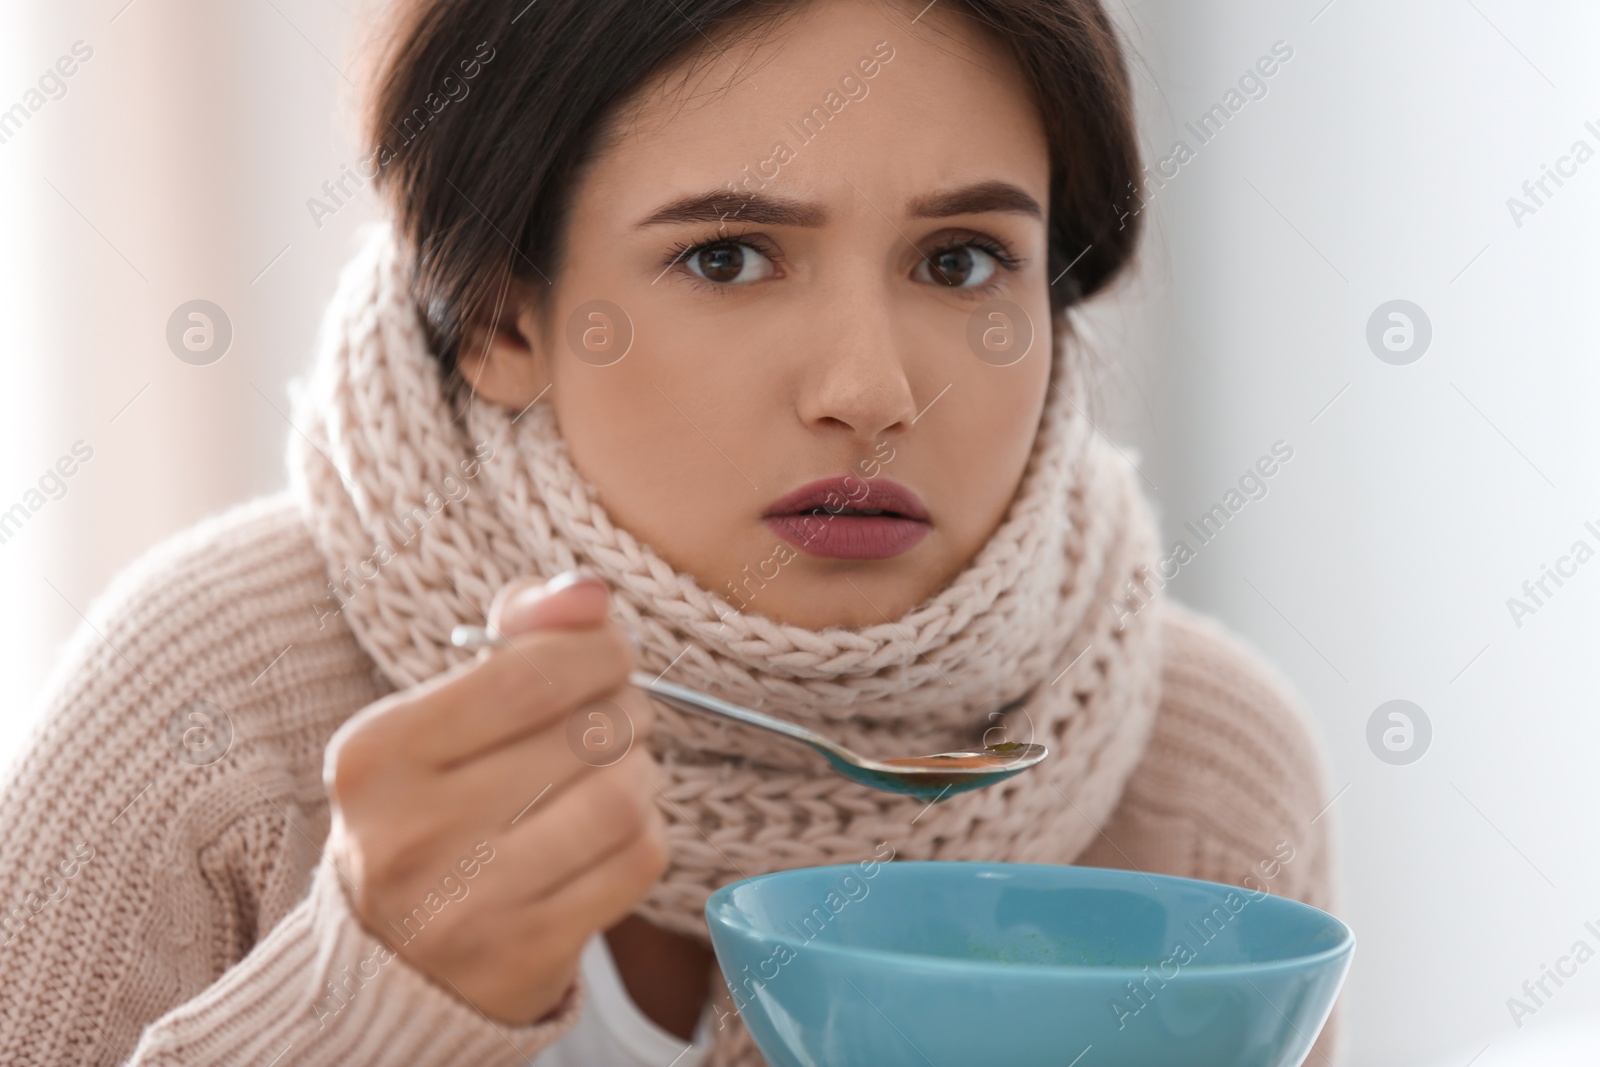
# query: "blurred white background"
[[177, 162]]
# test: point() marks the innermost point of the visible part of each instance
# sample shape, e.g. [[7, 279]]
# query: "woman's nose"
[[859, 378]]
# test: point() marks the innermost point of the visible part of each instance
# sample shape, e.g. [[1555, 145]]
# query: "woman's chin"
[[818, 592]]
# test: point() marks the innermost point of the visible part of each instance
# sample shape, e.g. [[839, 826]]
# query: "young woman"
[[751, 326]]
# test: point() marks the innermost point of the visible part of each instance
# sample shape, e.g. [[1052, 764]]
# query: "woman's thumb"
[[569, 600]]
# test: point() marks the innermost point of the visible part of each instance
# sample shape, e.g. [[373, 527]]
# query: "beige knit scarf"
[[423, 507]]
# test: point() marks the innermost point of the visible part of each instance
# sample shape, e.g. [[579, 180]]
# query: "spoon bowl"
[[931, 778]]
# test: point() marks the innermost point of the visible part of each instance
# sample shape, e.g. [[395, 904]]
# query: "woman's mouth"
[[850, 518]]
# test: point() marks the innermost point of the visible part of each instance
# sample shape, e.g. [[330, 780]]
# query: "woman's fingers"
[[567, 601], [560, 655], [514, 690], [532, 748], [562, 834], [603, 893], [547, 939], [543, 764]]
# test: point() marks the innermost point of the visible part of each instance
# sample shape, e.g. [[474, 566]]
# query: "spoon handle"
[[475, 637], [693, 699]]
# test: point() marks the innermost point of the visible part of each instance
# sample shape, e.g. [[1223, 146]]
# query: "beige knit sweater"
[[167, 910]]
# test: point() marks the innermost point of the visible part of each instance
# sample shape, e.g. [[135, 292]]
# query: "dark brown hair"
[[482, 115]]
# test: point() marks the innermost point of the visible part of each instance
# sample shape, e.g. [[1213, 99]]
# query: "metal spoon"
[[926, 777]]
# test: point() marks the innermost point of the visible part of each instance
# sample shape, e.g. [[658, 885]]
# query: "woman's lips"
[[825, 518]]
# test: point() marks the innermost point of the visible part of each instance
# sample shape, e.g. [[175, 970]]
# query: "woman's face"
[[800, 417]]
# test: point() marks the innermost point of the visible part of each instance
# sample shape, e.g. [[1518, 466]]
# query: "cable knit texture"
[[162, 911]]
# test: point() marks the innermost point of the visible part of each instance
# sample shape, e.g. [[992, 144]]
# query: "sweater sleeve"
[[320, 990], [163, 895]]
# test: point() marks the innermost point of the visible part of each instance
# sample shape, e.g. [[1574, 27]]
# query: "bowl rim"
[[734, 920]]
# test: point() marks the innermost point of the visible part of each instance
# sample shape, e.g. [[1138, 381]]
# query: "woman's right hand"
[[489, 752]]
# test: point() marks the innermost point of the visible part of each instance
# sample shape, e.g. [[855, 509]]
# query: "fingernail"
[[523, 600], [560, 581], [526, 599], [565, 580]]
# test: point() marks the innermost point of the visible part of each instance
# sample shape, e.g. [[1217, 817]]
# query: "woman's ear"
[[506, 365]]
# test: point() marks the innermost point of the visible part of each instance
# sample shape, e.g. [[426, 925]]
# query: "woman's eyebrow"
[[764, 209], [975, 199], [761, 209]]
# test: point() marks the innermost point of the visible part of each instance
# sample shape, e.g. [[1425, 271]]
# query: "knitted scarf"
[[423, 506]]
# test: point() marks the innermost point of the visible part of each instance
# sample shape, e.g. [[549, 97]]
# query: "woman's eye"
[[959, 267], [729, 263]]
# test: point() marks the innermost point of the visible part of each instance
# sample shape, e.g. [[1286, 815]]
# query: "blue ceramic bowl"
[[939, 964]]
